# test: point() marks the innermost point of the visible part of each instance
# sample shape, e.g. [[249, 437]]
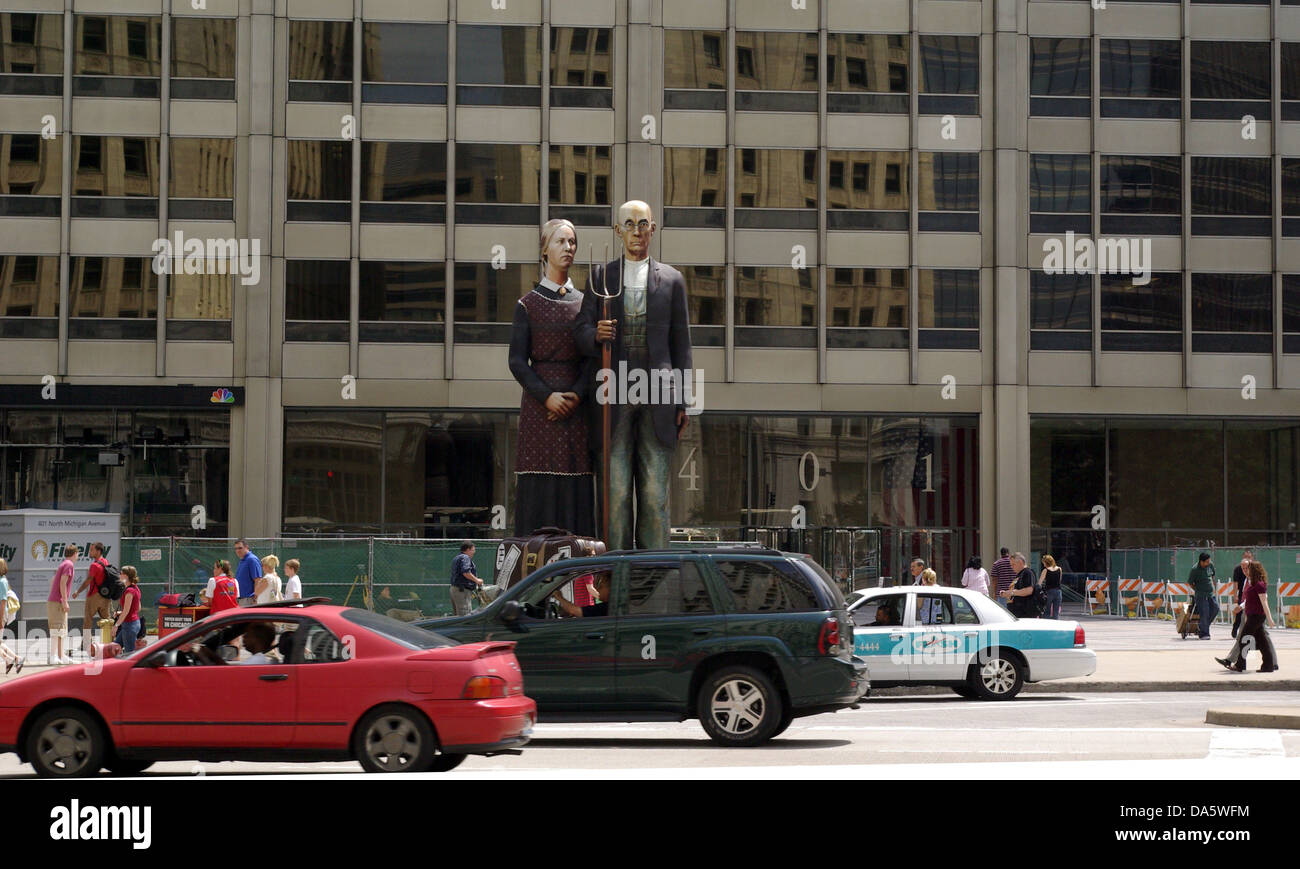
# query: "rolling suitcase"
[[517, 557]]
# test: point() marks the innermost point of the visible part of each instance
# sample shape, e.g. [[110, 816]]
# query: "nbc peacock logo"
[[223, 396]]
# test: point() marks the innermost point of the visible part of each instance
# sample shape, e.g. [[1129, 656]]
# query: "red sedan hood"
[[73, 675], [464, 652]]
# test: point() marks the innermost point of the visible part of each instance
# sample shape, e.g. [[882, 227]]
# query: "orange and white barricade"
[[1130, 597], [1151, 598], [1226, 592], [1177, 593], [1096, 594], [1288, 614]]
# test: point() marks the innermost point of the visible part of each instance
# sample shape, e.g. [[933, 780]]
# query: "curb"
[[1274, 718], [1108, 687]]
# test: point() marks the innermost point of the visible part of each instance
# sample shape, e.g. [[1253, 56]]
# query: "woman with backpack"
[[128, 620], [11, 657]]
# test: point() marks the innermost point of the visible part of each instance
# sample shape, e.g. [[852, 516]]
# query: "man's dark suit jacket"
[[668, 336]]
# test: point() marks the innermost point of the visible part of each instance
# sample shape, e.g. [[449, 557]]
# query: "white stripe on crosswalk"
[[1246, 742]]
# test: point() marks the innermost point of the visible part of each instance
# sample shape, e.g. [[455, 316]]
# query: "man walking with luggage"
[[463, 580], [1201, 579]]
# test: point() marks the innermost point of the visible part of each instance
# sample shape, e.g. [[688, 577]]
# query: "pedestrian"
[[1050, 580], [222, 592], [917, 568], [1239, 577], [248, 571], [10, 656], [1020, 596], [127, 628], [1252, 634], [929, 609], [1003, 574], [463, 580], [1201, 578], [292, 584], [97, 605], [267, 586], [975, 577], [56, 606]]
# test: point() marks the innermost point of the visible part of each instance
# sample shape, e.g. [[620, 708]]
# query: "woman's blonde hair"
[[4, 567], [1049, 562], [551, 227], [929, 577], [270, 562], [130, 575]]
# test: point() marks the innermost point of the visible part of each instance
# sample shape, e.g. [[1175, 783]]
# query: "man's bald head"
[[636, 226]]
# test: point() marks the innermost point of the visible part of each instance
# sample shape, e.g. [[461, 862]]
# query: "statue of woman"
[[553, 476]]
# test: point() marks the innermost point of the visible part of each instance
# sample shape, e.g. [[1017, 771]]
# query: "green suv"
[[745, 640]]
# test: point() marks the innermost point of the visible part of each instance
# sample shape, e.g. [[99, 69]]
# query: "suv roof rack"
[[280, 604], [708, 550]]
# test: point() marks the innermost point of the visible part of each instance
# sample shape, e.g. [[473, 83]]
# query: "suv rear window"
[[399, 632], [767, 587]]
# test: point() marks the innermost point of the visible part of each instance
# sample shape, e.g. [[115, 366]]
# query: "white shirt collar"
[[554, 287]]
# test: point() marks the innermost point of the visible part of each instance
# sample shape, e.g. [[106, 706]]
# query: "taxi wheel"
[[395, 738], [996, 676], [739, 706], [66, 742]]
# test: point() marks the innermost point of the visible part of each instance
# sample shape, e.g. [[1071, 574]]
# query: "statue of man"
[[649, 333]]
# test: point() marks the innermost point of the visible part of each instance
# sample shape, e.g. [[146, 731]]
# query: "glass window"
[[884, 610], [778, 179], [1153, 307], [320, 51], [695, 59], [933, 609], [764, 587], [1150, 486], [498, 55], [485, 294], [1263, 467], [31, 43], [706, 300], [875, 180], [1146, 68], [318, 645], [404, 52], [868, 298], [118, 45], [403, 291], [580, 57], [203, 47], [580, 175], [29, 286], [1291, 70], [1060, 67], [775, 61], [1060, 183], [201, 168], [1291, 187], [775, 296], [30, 165], [403, 171], [1232, 185], [317, 290], [115, 166], [666, 589], [962, 614], [949, 298], [1232, 302], [333, 470], [199, 297], [1141, 184], [106, 287], [695, 177], [1231, 70], [867, 62], [1291, 303], [320, 171], [950, 181], [950, 64], [1060, 301], [497, 173]]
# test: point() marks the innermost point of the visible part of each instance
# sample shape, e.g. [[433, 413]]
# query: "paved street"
[[1162, 734]]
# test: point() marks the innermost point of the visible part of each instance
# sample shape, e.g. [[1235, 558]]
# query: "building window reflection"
[[403, 62], [582, 67], [117, 56], [868, 73], [1060, 77], [695, 69], [320, 61], [203, 53], [29, 296]]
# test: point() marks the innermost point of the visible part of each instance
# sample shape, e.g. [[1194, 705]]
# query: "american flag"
[[910, 448], [902, 444]]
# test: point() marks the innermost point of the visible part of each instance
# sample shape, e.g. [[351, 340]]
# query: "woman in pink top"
[[975, 577], [56, 607]]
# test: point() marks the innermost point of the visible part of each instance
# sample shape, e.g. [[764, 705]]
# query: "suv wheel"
[[66, 743], [995, 676], [963, 691], [740, 706]]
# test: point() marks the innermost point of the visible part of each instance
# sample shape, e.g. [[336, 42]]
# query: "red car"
[[307, 682]]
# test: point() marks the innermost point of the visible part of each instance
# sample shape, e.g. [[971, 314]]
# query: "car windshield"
[[406, 635]]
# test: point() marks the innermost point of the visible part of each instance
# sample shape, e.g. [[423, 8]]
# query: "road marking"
[[1246, 742]]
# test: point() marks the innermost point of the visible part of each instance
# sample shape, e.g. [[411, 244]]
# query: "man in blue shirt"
[[463, 580], [247, 573]]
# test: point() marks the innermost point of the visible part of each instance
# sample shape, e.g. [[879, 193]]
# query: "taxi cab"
[[936, 635]]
